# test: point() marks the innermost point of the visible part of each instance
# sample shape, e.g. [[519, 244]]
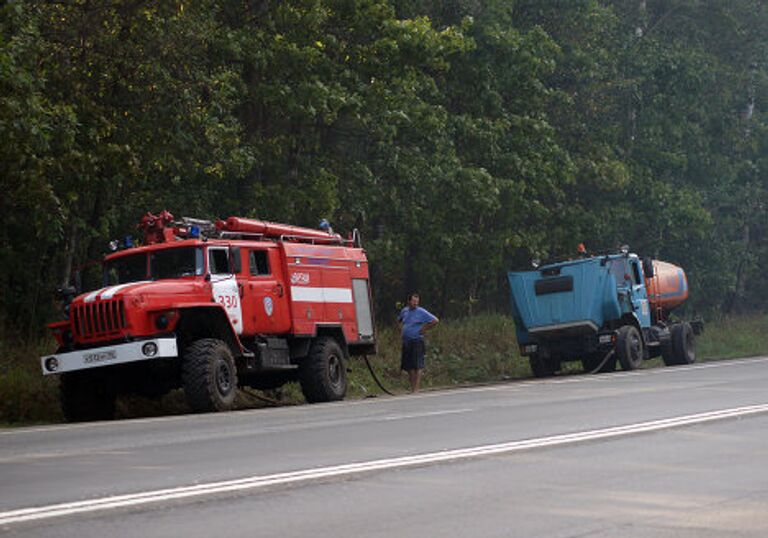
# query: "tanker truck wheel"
[[209, 376], [541, 367], [682, 347], [323, 373], [629, 347], [86, 396]]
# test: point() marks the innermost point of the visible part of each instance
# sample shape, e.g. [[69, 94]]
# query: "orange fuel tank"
[[668, 288]]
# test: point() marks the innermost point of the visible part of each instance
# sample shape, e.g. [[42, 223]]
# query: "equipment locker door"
[[362, 308]]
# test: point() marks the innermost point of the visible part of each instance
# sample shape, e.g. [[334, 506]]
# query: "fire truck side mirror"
[[66, 294], [648, 267]]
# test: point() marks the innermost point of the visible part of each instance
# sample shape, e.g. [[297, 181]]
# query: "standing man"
[[414, 322]]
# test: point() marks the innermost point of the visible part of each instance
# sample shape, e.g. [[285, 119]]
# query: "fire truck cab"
[[210, 307]]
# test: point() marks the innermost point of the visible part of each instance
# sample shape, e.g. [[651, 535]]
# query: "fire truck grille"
[[99, 319]]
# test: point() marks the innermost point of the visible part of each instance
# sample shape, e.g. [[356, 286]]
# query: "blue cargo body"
[[574, 298], [583, 310], [597, 310]]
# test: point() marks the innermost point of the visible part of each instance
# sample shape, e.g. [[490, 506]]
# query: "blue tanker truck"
[[599, 310]]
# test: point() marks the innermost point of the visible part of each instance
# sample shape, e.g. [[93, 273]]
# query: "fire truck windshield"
[[176, 262], [163, 264], [125, 269]]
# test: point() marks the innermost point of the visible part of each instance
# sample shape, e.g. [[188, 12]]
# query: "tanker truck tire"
[[86, 396], [629, 347], [209, 376], [541, 367], [682, 348], [323, 373]]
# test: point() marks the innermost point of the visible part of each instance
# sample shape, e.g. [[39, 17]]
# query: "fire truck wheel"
[[209, 376], [683, 345], [323, 374], [629, 347], [86, 396]]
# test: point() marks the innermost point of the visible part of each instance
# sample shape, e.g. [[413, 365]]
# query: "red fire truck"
[[209, 307]]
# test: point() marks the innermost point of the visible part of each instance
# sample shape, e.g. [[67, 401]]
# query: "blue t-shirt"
[[413, 320]]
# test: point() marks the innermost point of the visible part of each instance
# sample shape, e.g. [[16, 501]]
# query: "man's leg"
[[413, 377], [416, 380]]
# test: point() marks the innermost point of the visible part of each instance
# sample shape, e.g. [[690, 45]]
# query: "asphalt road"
[[667, 452]]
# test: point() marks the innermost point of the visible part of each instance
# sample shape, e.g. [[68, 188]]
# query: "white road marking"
[[428, 414], [351, 469], [512, 385]]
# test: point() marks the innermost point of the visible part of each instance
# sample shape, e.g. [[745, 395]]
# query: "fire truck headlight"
[[149, 349], [161, 322], [51, 364]]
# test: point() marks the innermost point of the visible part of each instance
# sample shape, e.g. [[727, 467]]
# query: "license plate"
[[99, 356]]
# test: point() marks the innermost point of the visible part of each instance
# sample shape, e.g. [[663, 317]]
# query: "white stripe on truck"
[[110, 292], [92, 296], [321, 295]]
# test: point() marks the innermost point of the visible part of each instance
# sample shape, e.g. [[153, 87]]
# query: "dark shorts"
[[412, 356]]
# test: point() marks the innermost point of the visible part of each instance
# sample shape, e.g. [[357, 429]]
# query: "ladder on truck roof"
[[162, 228]]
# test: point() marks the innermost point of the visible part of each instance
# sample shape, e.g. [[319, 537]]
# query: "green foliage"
[[462, 138]]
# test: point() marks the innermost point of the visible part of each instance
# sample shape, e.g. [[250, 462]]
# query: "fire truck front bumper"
[[142, 350]]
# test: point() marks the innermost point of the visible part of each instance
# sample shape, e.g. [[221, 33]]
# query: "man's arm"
[[429, 325]]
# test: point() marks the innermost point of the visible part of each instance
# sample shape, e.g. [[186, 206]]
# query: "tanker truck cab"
[[600, 310], [630, 287], [212, 307]]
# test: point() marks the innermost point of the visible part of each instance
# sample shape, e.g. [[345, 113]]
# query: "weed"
[[480, 349]]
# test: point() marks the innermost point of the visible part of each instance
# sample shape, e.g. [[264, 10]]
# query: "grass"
[[475, 350], [481, 349], [734, 337], [26, 396]]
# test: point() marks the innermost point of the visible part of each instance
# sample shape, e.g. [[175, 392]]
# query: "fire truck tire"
[[541, 367], [683, 345], [209, 376], [86, 396], [323, 374], [629, 347]]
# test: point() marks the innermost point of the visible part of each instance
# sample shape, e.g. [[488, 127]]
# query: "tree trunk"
[[69, 255]]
